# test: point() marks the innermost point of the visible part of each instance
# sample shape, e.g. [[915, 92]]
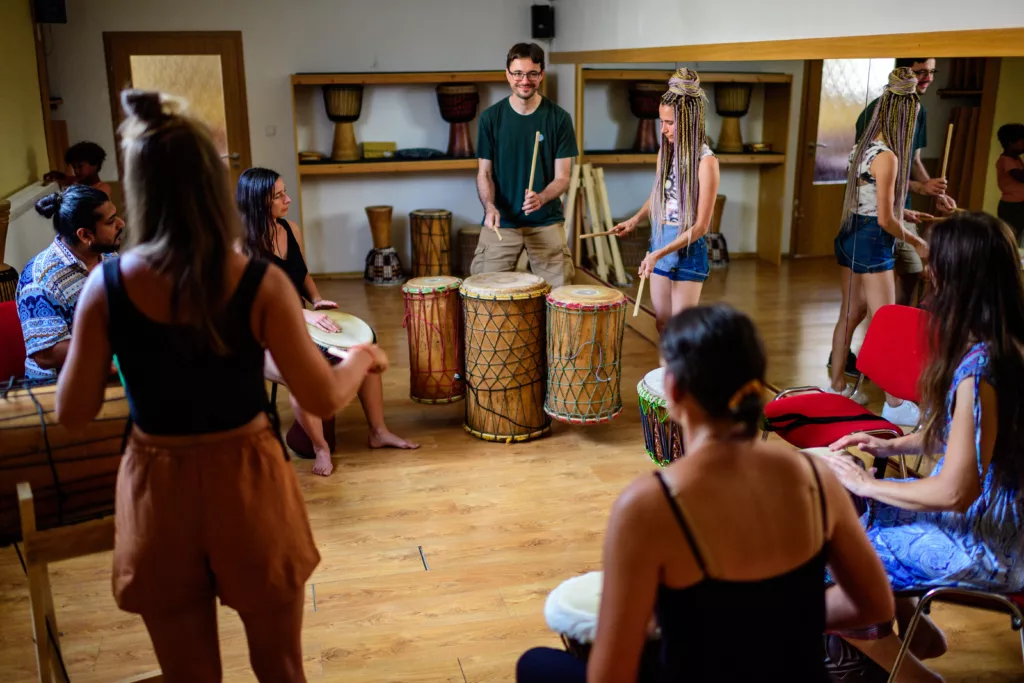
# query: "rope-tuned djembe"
[[644, 103], [585, 328], [72, 475], [503, 315], [431, 233], [663, 437], [383, 267], [459, 103], [344, 103], [8, 275], [433, 319]]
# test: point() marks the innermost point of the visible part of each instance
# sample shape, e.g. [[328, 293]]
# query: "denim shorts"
[[865, 247], [688, 264]]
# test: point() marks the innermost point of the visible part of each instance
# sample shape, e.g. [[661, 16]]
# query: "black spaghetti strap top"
[[175, 383], [294, 265], [769, 630]]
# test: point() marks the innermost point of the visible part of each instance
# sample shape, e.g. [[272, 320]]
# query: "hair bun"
[[902, 81], [149, 106], [685, 82], [48, 206]]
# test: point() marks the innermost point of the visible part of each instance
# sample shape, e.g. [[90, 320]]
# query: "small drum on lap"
[[663, 437], [432, 319], [353, 331], [571, 611], [584, 357], [503, 316]]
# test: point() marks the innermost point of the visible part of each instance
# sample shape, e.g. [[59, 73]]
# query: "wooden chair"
[[42, 548]]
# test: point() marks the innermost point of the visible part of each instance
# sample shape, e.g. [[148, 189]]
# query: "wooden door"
[[836, 91], [203, 67]]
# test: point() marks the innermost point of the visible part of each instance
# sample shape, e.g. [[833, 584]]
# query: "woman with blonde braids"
[[681, 202], [872, 220]]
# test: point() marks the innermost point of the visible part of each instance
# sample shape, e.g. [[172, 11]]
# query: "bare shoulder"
[[294, 226], [638, 499]]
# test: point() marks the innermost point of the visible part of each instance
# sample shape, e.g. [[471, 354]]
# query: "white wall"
[[608, 124], [281, 38], [615, 24]]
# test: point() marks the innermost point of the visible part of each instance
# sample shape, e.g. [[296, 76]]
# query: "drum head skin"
[[504, 286], [654, 384], [353, 331], [431, 213], [433, 283], [586, 296], [571, 609]]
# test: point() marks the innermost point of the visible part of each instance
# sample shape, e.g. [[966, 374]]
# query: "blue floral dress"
[[979, 549]]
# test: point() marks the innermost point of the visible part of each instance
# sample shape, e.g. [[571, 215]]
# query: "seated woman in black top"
[[207, 504], [263, 202], [729, 542]]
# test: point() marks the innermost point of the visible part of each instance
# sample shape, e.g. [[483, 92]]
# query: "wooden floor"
[[436, 562]]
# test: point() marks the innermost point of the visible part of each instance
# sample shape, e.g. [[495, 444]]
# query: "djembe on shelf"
[[458, 104], [8, 275], [732, 101], [644, 103], [383, 266], [344, 103]]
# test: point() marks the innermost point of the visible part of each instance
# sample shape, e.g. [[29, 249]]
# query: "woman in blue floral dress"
[[961, 525]]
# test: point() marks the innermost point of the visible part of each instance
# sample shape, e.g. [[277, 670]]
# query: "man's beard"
[[106, 247], [521, 96]]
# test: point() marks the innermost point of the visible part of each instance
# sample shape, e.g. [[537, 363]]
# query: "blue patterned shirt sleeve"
[[43, 314]]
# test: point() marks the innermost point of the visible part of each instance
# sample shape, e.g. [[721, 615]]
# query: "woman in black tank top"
[[726, 547], [207, 504], [263, 203]]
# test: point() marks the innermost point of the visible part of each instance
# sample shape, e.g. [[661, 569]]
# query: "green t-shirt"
[[505, 137], [920, 129]]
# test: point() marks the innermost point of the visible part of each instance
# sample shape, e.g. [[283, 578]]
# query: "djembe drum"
[[72, 475], [503, 317], [585, 327], [433, 317], [663, 437], [732, 101], [344, 103], [353, 331], [383, 267], [431, 231], [571, 610], [468, 238], [644, 103], [458, 103]]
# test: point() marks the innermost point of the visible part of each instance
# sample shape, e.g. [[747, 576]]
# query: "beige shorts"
[[907, 260], [221, 517], [550, 257]]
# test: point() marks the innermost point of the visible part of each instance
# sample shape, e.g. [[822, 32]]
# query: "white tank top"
[[867, 190]]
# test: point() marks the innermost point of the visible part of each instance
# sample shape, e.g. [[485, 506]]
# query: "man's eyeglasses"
[[519, 75], [921, 73]]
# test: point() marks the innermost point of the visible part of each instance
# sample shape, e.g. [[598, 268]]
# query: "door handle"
[[234, 156], [812, 145]]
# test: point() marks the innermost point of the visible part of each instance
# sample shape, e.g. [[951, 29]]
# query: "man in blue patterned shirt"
[[88, 231]]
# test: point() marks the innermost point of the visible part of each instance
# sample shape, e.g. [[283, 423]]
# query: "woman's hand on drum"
[[856, 479], [322, 304], [872, 445], [625, 227], [647, 265], [320, 321]]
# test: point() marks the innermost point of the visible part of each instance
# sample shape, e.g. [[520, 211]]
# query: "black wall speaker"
[[542, 21], [51, 12]]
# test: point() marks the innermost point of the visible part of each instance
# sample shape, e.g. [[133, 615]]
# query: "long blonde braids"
[[688, 101]]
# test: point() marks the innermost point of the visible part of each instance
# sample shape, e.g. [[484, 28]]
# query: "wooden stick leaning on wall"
[[569, 208], [609, 223], [595, 218]]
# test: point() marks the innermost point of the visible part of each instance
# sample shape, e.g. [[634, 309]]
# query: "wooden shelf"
[[632, 159], [705, 77], [398, 77], [387, 166]]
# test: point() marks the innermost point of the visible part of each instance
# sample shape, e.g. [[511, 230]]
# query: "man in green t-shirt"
[[527, 217]]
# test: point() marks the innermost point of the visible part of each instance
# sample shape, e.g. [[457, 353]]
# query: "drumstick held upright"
[[533, 164], [639, 295]]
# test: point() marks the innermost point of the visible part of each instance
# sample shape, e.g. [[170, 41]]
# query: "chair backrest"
[[894, 353], [12, 342]]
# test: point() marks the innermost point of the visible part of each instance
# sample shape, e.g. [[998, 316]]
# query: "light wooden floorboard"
[[499, 525]]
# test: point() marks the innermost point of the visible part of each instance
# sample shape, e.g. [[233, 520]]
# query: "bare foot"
[[929, 641], [383, 438], [323, 465]]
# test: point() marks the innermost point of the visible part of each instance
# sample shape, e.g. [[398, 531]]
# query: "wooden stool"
[[42, 548]]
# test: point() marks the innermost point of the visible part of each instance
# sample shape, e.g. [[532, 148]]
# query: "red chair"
[[893, 356], [12, 343]]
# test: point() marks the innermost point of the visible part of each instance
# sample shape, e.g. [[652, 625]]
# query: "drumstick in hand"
[[639, 295]]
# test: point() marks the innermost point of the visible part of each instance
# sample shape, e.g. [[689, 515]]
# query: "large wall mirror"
[[783, 131]]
